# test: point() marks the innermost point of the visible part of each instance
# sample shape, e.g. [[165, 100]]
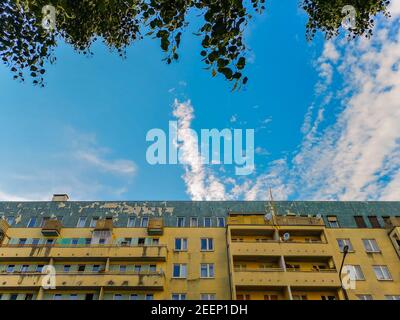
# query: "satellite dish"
[[286, 236], [268, 216], [318, 216]]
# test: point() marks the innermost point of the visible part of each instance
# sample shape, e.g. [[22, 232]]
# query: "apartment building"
[[67, 250]]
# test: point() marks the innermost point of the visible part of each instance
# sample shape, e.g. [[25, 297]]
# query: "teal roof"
[[121, 210]]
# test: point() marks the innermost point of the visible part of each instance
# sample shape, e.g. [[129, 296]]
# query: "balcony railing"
[[79, 251], [279, 241], [131, 280]]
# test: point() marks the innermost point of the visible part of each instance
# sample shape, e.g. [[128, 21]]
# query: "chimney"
[[60, 197]]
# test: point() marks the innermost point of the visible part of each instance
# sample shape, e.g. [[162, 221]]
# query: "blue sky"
[[84, 133]]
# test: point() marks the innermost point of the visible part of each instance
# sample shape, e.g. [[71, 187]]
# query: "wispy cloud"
[[83, 168], [355, 156]]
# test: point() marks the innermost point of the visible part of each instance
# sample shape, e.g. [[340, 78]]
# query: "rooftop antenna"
[[271, 215]]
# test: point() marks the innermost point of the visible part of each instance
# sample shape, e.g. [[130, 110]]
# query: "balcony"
[[258, 219], [88, 252], [156, 226], [3, 229], [51, 228], [86, 280], [280, 248], [104, 225], [277, 277]]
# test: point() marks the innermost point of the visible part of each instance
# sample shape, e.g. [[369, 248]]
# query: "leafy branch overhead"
[[26, 46]]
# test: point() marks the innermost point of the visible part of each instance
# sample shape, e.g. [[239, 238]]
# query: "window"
[[300, 297], [144, 222], [155, 241], [180, 244], [364, 297], [57, 296], [360, 222], [73, 296], [32, 222], [134, 296], [382, 273], [35, 241], [89, 296], [67, 268], [81, 268], [14, 296], [102, 241], [138, 268], [373, 220], [88, 241], [371, 245], [24, 268], [221, 222], [10, 268], [392, 297], [344, 242], [243, 297], [149, 296], [141, 241], [194, 222], [180, 222], [49, 242], [355, 272], [122, 268], [28, 296], [22, 241], [178, 296], [44, 219], [96, 268], [270, 297], [207, 296], [131, 222], [117, 296], [179, 270], [10, 220], [152, 268], [93, 222], [328, 298], [81, 222], [333, 222], [207, 270], [207, 222], [39, 268], [74, 241], [207, 244]]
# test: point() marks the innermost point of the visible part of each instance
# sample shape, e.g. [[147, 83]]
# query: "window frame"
[[210, 270]]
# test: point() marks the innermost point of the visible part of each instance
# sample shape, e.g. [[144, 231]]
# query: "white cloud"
[[82, 168], [355, 157]]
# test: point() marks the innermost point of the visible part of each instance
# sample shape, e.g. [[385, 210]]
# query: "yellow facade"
[[284, 257]]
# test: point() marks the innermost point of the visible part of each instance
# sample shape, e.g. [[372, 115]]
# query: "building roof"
[[121, 210]]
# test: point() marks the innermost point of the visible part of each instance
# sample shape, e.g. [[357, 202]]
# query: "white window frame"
[[178, 296], [30, 221], [223, 222], [80, 224], [371, 246], [210, 270], [204, 222], [384, 271], [144, 222], [365, 297], [131, 222], [207, 296], [192, 220], [346, 241], [356, 271], [392, 297], [183, 242], [209, 244], [182, 271], [178, 224]]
